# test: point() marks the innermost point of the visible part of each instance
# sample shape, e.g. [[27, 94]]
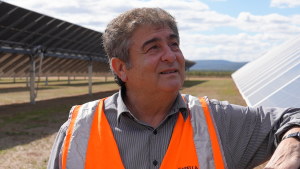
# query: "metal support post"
[[46, 80], [27, 81], [69, 79], [37, 51], [32, 79], [90, 71]]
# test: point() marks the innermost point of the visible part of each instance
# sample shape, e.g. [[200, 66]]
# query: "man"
[[149, 124]]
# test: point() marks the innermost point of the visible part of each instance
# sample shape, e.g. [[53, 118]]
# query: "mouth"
[[168, 72]]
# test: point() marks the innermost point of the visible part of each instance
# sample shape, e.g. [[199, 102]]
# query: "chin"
[[172, 88]]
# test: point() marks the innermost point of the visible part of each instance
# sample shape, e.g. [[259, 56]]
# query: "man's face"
[[156, 61]]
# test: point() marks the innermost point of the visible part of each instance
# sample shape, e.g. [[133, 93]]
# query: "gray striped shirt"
[[247, 134]]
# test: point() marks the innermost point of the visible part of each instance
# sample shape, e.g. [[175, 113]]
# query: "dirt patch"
[[33, 155]]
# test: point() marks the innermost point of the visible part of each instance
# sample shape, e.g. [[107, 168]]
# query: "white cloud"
[[228, 47], [202, 21], [258, 34], [285, 3], [272, 23], [84, 12]]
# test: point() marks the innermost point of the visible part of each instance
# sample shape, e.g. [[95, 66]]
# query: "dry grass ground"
[[18, 92], [27, 131]]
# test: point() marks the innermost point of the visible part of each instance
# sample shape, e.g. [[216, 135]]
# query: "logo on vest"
[[188, 167]]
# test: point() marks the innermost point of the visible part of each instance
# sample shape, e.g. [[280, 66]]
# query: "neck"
[[151, 109]]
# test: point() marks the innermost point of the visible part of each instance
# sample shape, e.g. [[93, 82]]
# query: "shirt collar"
[[178, 106], [121, 107]]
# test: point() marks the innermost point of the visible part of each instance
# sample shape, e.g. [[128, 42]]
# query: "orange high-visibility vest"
[[102, 150]]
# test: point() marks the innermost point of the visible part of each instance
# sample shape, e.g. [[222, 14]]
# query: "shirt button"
[[155, 132], [155, 162]]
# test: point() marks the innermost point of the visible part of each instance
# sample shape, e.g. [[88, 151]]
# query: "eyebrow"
[[174, 36], [171, 36], [150, 41]]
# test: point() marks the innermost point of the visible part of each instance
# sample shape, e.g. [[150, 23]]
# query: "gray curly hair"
[[118, 33]]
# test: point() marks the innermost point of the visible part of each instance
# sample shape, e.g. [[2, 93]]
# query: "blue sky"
[[236, 30], [256, 7]]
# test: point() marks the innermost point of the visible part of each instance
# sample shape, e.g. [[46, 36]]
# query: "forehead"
[[146, 32]]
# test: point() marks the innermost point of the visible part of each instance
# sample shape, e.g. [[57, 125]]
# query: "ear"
[[119, 68]]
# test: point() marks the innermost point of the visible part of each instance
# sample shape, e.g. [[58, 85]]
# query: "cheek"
[[140, 69], [151, 63], [181, 60]]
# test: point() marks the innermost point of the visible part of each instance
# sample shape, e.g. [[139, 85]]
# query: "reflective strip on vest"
[[80, 136], [216, 148], [67, 141], [191, 144], [204, 130]]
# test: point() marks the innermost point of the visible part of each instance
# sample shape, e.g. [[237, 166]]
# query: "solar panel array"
[[67, 48], [274, 78]]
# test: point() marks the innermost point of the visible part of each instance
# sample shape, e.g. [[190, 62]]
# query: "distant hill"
[[217, 65]]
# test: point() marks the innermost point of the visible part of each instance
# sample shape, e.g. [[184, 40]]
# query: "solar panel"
[[274, 78], [29, 29]]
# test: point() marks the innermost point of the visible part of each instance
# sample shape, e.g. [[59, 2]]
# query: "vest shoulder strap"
[[67, 141], [208, 147], [216, 148]]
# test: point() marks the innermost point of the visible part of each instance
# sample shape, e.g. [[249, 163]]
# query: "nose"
[[169, 55]]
